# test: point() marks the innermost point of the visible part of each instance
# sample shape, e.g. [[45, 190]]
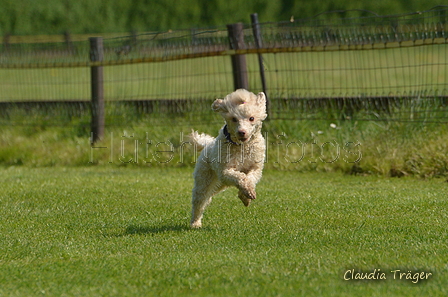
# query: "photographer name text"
[[376, 274]]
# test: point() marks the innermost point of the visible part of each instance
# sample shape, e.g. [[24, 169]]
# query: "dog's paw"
[[246, 196], [196, 225], [247, 189], [250, 193]]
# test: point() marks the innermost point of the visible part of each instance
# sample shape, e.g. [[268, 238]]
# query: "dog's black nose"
[[241, 133]]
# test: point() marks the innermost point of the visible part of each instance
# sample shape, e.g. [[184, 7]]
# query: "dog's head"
[[243, 112]]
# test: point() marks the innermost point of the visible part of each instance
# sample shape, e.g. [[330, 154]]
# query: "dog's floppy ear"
[[261, 101], [261, 98], [218, 106]]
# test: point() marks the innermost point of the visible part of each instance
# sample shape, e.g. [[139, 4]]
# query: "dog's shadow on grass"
[[132, 230], [141, 230]]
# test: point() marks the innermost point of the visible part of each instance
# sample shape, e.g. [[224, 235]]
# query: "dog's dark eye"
[[251, 119], [234, 120]]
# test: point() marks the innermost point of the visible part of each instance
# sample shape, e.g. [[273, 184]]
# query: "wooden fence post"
[[68, 42], [6, 41], [96, 72], [239, 67]]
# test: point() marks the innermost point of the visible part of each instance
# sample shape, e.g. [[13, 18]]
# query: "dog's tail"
[[201, 140]]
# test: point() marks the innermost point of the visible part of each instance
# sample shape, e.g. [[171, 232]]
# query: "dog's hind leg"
[[205, 187]]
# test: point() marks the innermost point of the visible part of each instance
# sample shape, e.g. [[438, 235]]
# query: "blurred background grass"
[[388, 148], [22, 17]]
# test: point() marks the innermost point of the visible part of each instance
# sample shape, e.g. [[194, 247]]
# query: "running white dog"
[[235, 157]]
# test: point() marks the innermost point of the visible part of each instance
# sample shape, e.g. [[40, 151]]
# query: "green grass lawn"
[[123, 231]]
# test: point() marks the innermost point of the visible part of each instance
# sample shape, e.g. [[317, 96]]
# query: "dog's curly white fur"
[[234, 158]]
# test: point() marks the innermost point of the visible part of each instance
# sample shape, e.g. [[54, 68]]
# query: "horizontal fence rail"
[[375, 63], [230, 52]]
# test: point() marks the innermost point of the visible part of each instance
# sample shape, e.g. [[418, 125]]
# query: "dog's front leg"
[[242, 181]]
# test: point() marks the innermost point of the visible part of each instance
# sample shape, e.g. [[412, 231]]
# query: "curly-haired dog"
[[235, 157]]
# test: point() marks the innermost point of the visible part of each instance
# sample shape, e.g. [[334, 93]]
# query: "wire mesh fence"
[[372, 64]]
